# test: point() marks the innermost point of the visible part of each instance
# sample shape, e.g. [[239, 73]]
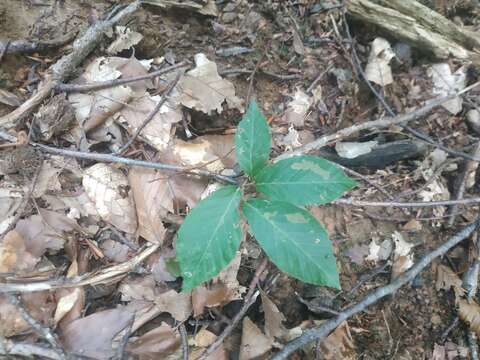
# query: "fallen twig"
[[330, 325], [250, 298], [41, 330], [11, 348], [64, 67], [107, 275], [184, 336], [381, 123], [75, 88], [413, 204], [460, 183], [132, 162], [26, 46], [152, 114]]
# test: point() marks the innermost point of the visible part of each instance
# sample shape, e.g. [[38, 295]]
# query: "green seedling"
[[275, 212]]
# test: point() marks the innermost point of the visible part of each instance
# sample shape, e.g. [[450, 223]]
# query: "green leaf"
[[252, 140], [294, 240], [209, 237], [303, 180]]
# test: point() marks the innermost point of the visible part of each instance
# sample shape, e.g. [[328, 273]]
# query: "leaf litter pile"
[[120, 120]]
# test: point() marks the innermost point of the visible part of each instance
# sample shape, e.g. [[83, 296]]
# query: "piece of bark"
[[418, 25]]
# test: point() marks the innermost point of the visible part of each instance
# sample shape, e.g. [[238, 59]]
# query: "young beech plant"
[[291, 237]]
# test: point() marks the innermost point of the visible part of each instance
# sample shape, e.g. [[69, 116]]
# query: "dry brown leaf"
[[108, 188], [114, 250], [228, 278], [254, 342], [158, 131], [70, 305], [203, 297], [155, 344], [46, 231], [47, 179], [339, 345], [297, 109], [38, 304], [378, 69], [179, 305], [273, 317], [203, 89], [14, 256], [125, 39], [92, 335], [219, 354], [204, 338], [206, 7], [216, 152], [153, 200], [447, 279], [470, 313]]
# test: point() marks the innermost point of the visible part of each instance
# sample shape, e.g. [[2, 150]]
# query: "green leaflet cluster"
[[291, 237]]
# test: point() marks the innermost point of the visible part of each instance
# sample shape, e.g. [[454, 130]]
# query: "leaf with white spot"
[[294, 240], [303, 180], [108, 188]]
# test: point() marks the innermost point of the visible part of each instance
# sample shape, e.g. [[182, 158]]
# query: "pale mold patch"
[[187, 274], [297, 218], [310, 166]]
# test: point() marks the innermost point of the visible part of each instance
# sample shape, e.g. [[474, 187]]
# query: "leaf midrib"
[[295, 244], [209, 242]]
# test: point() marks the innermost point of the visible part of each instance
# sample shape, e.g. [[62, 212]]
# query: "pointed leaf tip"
[[252, 140]]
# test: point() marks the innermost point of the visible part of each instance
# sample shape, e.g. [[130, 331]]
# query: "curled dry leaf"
[[153, 200], [297, 109], [470, 313], [254, 342], [92, 335], [445, 83], [38, 304], [69, 305], [203, 89], [403, 256], [378, 69], [155, 344], [273, 318], [108, 188], [447, 279], [339, 345], [126, 38]]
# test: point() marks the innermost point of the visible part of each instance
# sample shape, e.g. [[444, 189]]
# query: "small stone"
[[229, 17]]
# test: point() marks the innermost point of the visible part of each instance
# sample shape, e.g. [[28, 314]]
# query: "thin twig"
[[381, 123], [250, 298], [10, 348], [459, 191], [350, 201], [26, 47], [152, 114], [75, 88], [41, 330], [252, 79], [64, 67], [123, 344], [23, 204], [330, 325], [183, 334], [131, 162]]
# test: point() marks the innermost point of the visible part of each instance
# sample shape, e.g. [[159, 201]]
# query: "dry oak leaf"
[[254, 342], [92, 335], [203, 89], [153, 200], [339, 344], [273, 317], [108, 188], [155, 344], [447, 279]]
